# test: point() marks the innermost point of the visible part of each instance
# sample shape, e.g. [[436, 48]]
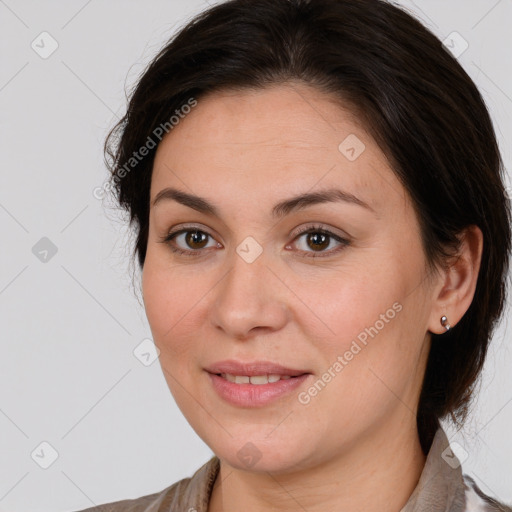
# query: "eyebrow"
[[279, 210]]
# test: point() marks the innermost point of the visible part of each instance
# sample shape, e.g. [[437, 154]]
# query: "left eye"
[[319, 240]]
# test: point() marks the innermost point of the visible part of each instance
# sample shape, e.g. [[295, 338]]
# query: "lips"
[[253, 369], [255, 383]]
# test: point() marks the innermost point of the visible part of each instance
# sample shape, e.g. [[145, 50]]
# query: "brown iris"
[[319, 241], [196, 237]]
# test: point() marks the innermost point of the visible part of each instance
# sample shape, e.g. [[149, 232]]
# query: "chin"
[[260, 454]]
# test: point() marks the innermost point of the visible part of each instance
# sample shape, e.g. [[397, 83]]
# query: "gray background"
[[68, 375]]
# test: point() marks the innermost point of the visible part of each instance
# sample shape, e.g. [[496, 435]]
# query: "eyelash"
[[313, 228]]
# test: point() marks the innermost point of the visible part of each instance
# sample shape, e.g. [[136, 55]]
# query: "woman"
[[324, 236]]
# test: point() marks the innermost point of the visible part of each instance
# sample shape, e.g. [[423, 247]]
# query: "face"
[[330, 293]]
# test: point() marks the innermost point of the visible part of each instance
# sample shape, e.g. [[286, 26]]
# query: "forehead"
[[288, 137]]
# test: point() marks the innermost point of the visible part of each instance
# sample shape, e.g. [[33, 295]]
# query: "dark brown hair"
[[413, 96]]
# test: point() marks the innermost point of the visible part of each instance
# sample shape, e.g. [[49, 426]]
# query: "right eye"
[[189, 242]]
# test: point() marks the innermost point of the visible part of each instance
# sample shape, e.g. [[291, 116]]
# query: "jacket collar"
[[441, 485]]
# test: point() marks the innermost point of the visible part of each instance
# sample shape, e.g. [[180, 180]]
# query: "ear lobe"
[[459, 281]]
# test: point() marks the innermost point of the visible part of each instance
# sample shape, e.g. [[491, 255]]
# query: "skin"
[[245, 151]]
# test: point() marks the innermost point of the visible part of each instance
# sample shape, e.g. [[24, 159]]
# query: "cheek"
[[356, 303], [171, 298], [373, 352]]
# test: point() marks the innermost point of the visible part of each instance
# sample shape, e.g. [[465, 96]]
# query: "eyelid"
[[189, 227], [318, 226]]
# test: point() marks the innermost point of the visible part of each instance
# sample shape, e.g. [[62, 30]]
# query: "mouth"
[[253, 372], [258, 380], [255, 383]]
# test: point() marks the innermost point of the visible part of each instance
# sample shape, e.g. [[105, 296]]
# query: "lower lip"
[[254, 395]]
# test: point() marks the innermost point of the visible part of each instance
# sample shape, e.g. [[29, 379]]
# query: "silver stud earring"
[[444, 323]]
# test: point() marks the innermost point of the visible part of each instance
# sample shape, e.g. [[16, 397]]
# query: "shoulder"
[[157, 501], [188, 494], [477, 501]]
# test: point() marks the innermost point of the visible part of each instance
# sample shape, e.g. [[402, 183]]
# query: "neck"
[[378, 474]]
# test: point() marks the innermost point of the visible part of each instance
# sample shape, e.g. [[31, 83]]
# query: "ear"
[[458, 281]]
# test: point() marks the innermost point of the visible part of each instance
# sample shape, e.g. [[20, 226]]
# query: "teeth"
[[255, 379], [259, 379]]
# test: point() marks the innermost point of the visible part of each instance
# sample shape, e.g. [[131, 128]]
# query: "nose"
[[249, 300]]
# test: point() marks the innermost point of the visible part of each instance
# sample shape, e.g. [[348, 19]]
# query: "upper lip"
[[252, 368]]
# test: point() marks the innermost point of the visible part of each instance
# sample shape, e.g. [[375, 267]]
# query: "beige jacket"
[[442, 487]]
